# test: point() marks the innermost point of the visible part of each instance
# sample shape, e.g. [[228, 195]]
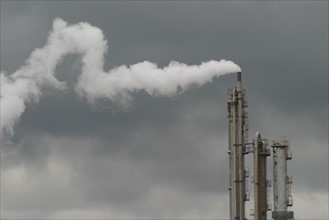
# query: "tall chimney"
[[236, 130]]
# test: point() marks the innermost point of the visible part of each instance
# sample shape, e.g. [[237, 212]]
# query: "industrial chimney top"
[[239, 76]]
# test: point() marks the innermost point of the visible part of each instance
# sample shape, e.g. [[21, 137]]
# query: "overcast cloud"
[[166, 157]]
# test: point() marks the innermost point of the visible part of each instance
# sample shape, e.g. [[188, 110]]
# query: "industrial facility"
[[239, 146]]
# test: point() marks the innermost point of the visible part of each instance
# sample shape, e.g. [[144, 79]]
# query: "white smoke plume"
[[25, 85]]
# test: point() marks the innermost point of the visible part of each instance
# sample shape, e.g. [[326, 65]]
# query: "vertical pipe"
[[236, 152], [260, 182], [256, 177], [281, 183], [240, 148], [281, 170], [231, 154]]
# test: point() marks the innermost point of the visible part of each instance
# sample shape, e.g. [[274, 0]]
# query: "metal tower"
[[237, 130], [261, 151], [281, 182]]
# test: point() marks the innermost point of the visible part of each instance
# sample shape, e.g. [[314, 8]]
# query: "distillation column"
[[261, 152], [281, 182], [237, 122]]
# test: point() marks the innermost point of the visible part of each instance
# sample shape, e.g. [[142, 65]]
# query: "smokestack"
[[239, 76], [236, 141], [239, 82]]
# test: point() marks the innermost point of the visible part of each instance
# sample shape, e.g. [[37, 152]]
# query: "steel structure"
[[261, 152], [281, 182], [238, 147], [237, 129]]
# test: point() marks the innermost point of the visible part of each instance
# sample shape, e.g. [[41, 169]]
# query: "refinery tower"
[[238, 147], [236, 142]]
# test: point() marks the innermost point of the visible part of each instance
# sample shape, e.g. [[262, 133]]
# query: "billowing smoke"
[[26, 84]]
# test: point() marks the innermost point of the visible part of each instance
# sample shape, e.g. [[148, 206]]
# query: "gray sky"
[[166, 157]]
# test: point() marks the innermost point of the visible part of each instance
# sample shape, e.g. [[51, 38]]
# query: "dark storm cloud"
[[148, 160], [165, 157]]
